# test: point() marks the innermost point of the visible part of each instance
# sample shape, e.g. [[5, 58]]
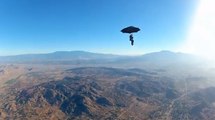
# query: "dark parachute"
[[130, 30]]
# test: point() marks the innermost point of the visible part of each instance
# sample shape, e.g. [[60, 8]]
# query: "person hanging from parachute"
[[131, 38], [130, 30]]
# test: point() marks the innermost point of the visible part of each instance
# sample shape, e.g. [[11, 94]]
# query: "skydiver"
[[131, 39]]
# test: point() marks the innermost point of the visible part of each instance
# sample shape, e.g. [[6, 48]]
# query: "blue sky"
[[41, 26]]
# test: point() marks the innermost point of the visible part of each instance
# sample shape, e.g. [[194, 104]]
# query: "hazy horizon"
[[94, 52]]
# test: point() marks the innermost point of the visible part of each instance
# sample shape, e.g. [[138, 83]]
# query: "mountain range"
[[83, 86], [59, 55], [104, 93], [166, 57]]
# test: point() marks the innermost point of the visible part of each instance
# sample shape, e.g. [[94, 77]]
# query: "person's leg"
[[132, 42]]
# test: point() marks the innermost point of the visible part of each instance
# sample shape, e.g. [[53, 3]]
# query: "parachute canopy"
[[130, 29]]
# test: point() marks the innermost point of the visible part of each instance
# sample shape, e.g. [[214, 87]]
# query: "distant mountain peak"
[[76, 51]]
